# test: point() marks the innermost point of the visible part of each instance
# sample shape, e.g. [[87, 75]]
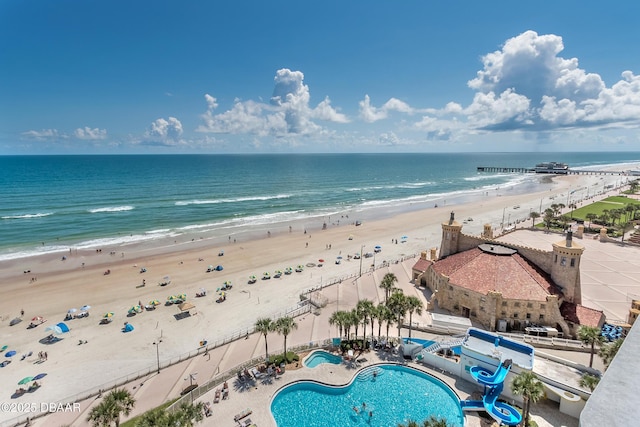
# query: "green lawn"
[[610, 203]]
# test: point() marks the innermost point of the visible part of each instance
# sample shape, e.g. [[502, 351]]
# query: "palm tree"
[[284, 326], [355, 319], [527, 385], [573, 207], [590, 336], [608, 352], [102, 415], [365, 310], [264, 326], [381, 314], [548, 218], [591, 216], [397, 303], [554, 209], [119, 401], [414, 305], [337, 318], [589, 381], [388, 282], [533, 216], [155, 418]]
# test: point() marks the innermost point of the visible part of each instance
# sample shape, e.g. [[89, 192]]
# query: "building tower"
[[450, 237], [565, 268]]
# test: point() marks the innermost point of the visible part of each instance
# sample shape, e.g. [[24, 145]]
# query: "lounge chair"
[[246, 423], [242, 415], [225, 394], [216, 398]]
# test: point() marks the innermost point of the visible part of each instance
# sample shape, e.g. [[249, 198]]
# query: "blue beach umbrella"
[[63, 327], [39, 377], [10, 353]]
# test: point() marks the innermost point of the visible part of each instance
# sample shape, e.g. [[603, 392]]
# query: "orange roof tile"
[[581, 315], [512, 275], [422, 265]]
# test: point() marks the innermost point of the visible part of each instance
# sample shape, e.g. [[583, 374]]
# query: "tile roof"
[[422, 265], [512, 275], [581, 315]]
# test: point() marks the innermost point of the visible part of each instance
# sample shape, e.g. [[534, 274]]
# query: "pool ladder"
[[368, 373]]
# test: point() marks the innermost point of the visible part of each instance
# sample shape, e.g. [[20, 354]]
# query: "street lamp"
[[157, 344], [361, 247], [191, 387]]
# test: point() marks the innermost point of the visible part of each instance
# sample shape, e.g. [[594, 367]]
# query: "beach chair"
[[246, 423], [216, 397], [242, 415]]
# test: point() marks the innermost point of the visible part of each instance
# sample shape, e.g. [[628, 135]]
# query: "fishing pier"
[[567, 171]]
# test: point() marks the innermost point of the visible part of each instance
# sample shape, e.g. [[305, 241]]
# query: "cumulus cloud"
[[164, 132], [528, 85], [288, 112], [87, 133], [370, 114]]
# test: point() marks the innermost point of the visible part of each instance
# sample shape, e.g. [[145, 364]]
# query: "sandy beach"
[[52, 286]]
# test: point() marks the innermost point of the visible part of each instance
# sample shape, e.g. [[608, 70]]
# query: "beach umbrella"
[[63, 327], [154, 302], [182, 296], [10, 353], [227, 282], [37, 319], [171, 297], [4, 347], [378, 247], [25, 380], [39, 377], [72, 310], [85, 307], [108, 315]]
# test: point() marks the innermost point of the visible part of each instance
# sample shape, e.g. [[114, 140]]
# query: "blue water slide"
[[489, 378], [499, 411]]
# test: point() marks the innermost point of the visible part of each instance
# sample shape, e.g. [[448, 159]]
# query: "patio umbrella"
[[154, 302], [378, 247], [10, 353], [85, 307], [25, 380], [39, 376], [108, 315]]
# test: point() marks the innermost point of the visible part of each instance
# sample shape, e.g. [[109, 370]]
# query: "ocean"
[[50, 204]]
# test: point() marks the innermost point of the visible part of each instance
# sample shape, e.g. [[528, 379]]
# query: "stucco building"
[[506, 287]]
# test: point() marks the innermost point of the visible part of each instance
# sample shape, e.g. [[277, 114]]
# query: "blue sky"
[[333, 76]]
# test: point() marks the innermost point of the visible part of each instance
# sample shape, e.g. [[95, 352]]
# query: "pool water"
[[394, 395], [319, 357]]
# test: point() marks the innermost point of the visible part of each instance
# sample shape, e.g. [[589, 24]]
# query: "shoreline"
[[62, 285]]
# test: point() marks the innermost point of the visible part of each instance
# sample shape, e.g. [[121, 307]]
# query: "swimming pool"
[[396, 394], [319, 357]]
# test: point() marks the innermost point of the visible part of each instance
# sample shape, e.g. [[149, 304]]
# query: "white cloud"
[[164, 132], [44, 134], [370, 114], [87, 133], [287, 114], [324, 111], [527, 85], [212, 103]]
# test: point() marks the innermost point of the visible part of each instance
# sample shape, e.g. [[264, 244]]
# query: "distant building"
[[507, 287]]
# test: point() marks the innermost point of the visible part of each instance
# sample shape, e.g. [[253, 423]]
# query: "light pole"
[[361, 247], [191, 387], [157, 344]]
